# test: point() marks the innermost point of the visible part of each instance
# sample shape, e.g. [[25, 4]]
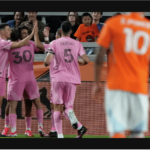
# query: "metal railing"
[[41, 57]]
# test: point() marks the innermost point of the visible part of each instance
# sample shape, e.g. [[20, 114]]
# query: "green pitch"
[[65, 136]]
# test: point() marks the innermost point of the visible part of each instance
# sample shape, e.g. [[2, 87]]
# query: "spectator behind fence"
[[88, 31], [96, 19], [73, 18], [18, 18], [32, 18]]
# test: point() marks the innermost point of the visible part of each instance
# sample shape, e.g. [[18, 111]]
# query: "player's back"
[[130, 35], [65, 68], [21, 63]]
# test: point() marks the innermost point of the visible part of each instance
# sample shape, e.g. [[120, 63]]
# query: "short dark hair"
[[66, 27], [14, 34], [86, 14], [58, 31], [3, 25], [20, 12], [20, 28]]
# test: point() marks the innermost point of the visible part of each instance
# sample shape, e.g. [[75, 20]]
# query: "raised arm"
[[24, 41], [38, 43]]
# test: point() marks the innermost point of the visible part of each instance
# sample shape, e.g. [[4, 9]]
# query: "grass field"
[[65, 136]]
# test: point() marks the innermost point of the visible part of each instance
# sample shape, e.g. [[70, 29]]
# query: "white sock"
[[13, 129], [7, 126], [28, 129], [72, 117], [60, 136], [40, 125], [52, 131]]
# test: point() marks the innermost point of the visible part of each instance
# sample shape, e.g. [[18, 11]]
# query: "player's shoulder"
[[114, 19], [53, 42]]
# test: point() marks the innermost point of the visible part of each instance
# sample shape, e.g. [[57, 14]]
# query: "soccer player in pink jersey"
[[5, 46], [65, 52], [23, 33], [21, 68]]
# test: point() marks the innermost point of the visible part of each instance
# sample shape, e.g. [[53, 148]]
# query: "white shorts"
[[126, 111]]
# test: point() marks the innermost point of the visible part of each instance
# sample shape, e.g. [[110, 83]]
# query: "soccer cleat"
[[5, 131], [53, 134], [29, 133], [118, 135], [81, 132], [42, 133], [12, 134], [73, 119]]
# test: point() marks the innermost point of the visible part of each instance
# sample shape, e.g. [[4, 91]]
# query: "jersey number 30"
[[19, 58], [131, 41]]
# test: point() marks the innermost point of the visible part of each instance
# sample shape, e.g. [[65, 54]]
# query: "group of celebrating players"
[[127, 37], [17, 54]]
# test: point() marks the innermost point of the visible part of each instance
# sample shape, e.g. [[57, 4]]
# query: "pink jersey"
[[4, 50], [21, 64], [65, 68], [35, 48]]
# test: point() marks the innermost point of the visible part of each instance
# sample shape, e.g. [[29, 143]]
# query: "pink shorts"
[[2, 86], [63, 93], [16, 90]]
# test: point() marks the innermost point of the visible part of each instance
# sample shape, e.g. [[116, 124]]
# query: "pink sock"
[[6, 121], [28, 122], [66, 116], [39, 114], [58, 121], [79, 125], [66, 110], [52, 122], [13, 119]]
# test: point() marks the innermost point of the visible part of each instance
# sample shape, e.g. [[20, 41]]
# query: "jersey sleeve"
[[78, 33], [105, 36], [96, 31], [81, 50], [5, 45], [52, 48]]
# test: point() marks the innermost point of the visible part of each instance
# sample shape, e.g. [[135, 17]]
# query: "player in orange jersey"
[[126, 97]]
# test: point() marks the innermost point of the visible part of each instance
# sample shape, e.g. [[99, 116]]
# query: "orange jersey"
[[87, 34], [130, 52]]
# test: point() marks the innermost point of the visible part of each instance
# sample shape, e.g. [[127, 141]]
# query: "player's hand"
[[81, 62], [96, 91], [46, 32]]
